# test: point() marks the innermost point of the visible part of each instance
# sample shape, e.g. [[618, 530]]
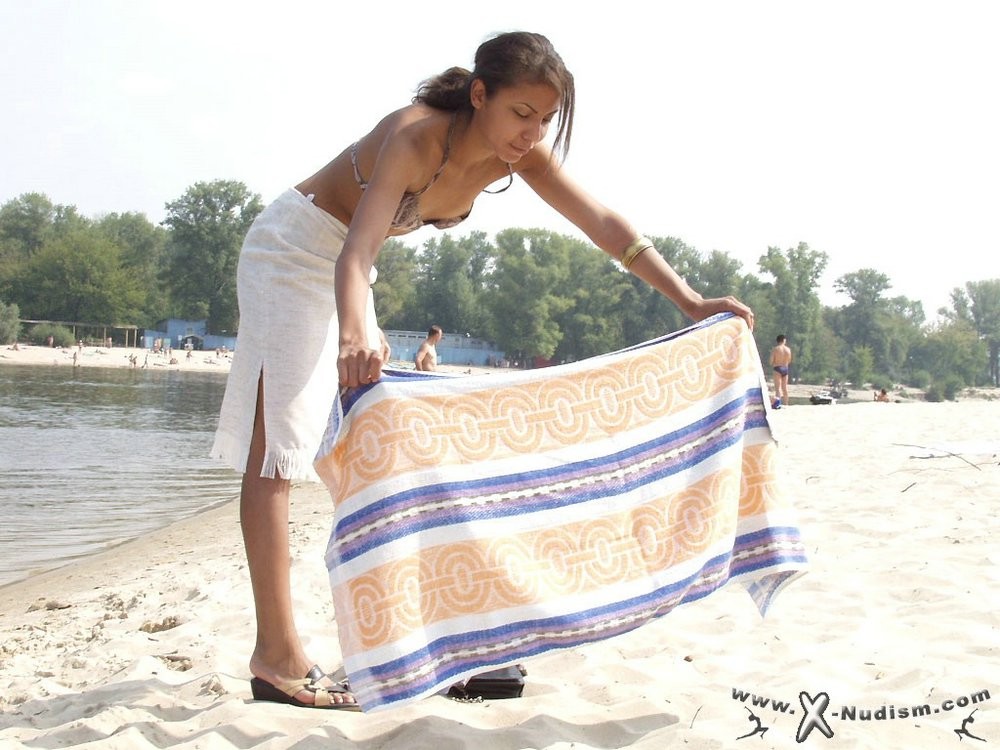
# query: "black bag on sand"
[[506, 682]]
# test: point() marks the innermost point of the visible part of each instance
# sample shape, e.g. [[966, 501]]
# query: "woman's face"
[[515, 118]]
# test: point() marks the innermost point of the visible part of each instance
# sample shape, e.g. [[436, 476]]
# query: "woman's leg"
[[278, 655]]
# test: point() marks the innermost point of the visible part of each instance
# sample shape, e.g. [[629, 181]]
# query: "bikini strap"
[[362, 182], [444, 157], [510, 181]]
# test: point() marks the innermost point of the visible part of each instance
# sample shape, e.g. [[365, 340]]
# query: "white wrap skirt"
[[288, 333]]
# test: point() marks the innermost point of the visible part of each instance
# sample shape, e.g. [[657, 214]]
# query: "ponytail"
[[448, 91]]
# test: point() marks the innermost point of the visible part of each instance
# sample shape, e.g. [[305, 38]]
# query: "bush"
[[40, 332], [861, 366], [10, 326], [946, 390], [920, 379], [952, 387]]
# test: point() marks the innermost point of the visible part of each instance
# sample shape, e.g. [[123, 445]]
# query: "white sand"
[[146, 645], [118, 357]]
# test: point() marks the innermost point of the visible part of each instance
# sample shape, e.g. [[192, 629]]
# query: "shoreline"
[[146, 644], [118, 358], [114, 358], [128, 551], [109, 548]]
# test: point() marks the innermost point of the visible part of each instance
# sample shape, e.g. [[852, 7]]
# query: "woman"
[[307, 318]]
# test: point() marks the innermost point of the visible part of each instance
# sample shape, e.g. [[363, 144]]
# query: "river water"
[[92, 457]]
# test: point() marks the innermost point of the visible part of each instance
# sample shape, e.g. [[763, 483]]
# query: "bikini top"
[[407, 215]]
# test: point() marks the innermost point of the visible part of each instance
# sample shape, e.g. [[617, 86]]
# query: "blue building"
[[177, 334], [453, 349]]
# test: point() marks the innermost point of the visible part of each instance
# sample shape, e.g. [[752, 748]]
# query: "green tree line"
[[535, 293]]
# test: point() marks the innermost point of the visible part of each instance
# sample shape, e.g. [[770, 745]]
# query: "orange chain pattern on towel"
[[483, 520]]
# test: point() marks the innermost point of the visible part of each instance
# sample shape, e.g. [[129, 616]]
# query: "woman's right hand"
[[358, 365]]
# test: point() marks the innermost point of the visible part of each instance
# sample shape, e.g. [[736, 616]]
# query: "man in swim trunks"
[[426, 357], [781, 360]]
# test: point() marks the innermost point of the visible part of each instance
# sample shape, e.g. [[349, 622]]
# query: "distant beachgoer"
[[307, 319], [881, 395], [426, 357], [781, 360]]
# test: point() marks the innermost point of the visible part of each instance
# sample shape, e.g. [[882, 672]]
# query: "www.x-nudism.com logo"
[[818, 715]]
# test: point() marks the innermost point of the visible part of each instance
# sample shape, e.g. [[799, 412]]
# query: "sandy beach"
[[895, 626], [118, 357]]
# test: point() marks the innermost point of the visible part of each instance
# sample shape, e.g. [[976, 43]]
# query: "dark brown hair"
[[507, 60]]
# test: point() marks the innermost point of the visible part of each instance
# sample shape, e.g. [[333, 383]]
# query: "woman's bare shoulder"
[[408, 143], [416, 124]]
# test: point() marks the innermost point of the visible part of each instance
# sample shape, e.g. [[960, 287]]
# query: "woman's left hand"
[[708, 307]]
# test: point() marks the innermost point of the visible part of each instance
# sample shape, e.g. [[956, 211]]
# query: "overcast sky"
[[869, 130]]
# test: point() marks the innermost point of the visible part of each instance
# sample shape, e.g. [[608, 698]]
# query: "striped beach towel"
[[483, 520]]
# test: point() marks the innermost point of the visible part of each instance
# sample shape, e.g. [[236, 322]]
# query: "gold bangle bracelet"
[[627, 262], [633, 251], [633, 246]]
